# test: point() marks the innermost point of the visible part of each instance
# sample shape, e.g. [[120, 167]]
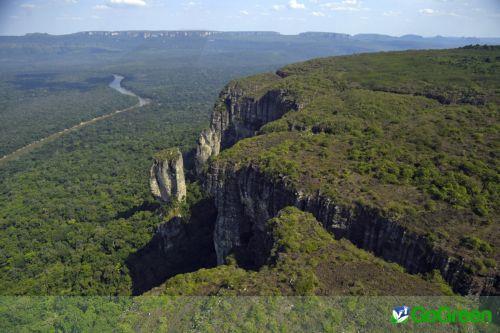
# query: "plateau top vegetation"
[[412, 136]]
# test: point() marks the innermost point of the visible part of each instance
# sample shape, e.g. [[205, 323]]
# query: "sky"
[[471, 18]]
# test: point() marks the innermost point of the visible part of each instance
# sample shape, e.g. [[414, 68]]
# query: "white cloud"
[[244, 12], [427, 11], [318, 14], [278, 7], [191, 5], [294, 4], [391, 13], [345, 5], [100, 7], [28, 6], [434, 12], [137, 3], [70, 18]]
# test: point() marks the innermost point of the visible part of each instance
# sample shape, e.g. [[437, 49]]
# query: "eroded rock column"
[[167, 176]]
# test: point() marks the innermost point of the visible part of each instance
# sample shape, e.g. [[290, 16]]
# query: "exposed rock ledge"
[[245, 199], [167, 176], [237, 116]]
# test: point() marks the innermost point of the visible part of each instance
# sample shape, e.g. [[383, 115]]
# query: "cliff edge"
[[392, 152], [387, 157]]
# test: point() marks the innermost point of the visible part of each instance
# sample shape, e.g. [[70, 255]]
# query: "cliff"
[[246, 199], [391, 158], [334, 158], [180, 245], [241, 110], [302, 258], [167, 176]]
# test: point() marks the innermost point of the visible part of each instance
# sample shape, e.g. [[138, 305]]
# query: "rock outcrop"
[[245, 199], [236, 116], [167, 176], [180, 245]]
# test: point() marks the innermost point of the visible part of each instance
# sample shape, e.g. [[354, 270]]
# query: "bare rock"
[[167, 176]]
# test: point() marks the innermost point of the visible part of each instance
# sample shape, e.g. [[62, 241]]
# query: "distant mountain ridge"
[[267, 48], [150, 34]]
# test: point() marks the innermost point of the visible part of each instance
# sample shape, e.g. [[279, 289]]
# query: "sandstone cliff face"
[[246, 199], [167, 176], [237, 116], [180, 245]]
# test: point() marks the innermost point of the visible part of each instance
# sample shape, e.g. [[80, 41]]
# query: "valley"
[[115, 84], [220, 165]]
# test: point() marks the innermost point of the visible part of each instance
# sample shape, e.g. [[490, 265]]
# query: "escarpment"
[[246, 199], [238, 115], [167, 176], [389, 175]]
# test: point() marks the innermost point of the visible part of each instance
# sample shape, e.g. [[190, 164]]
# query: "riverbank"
[[116, 85]]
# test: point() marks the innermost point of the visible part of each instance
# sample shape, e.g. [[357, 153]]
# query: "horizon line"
[[247, 31]]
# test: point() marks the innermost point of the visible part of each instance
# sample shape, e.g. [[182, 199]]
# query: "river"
[[116, 85]]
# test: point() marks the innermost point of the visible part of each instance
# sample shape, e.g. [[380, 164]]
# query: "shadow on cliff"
[[180, 245]]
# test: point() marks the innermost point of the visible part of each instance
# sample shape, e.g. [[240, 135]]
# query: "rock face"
[[246, 199], [237, 116], [167, 176], [180, 245]]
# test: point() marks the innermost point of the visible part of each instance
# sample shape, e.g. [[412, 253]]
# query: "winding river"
[[116, 85]]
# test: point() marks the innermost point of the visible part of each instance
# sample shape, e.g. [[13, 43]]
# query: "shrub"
[[475, 243]]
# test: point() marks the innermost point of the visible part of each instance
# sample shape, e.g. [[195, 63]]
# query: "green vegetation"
[[37, 105], [413, 134], [225, 314], [74, 210], [168, 154], [304, 259]]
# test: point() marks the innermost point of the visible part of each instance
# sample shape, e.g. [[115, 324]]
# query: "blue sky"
[[395, 17]]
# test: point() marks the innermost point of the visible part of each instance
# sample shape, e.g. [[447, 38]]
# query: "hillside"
[[394, 152]]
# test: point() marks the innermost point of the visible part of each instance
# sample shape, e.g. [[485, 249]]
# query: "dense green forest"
[[73, 210], [226, 314], [415, 134], [33, 106]]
